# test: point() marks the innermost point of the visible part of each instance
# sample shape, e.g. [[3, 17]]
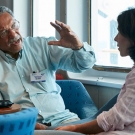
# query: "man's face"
[[10, 38]]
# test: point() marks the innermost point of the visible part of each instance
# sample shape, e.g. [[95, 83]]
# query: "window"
[[103, 30], [43, 14]]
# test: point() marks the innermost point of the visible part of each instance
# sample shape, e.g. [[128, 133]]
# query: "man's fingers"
[[63, 25], [59, 26], [54, 43], [58, 128], [40, 126], [56, 26]]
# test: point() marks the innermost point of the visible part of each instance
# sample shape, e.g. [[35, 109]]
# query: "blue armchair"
[[19, 123], [106, 107], [76, 98]]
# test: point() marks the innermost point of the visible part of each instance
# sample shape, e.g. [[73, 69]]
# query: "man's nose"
[[11, 33]]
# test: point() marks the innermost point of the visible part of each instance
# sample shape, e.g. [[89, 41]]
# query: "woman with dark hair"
[[120, 119]]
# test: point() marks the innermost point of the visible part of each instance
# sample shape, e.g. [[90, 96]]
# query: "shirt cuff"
[[86, 47]]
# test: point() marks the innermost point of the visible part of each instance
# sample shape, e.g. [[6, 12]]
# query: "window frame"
[[99, 67]]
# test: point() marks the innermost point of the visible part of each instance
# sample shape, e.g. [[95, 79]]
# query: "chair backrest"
[[76, 98], [19, 123], [107, 106]]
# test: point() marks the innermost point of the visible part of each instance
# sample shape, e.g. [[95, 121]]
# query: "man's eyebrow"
[[13, 22]]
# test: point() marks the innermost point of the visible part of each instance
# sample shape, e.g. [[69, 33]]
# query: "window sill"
[[100, 78]]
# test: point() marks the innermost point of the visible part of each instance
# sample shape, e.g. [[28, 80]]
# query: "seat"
[[76, 98], [19, 123], [106, 107]]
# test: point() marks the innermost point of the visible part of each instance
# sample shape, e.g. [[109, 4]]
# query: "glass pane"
[[43, 14], [104, 29]]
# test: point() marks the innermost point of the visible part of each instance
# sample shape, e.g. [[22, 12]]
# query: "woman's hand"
[[67, 128], [85, 128]]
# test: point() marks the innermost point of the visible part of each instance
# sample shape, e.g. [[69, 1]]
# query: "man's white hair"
[[4, 9]]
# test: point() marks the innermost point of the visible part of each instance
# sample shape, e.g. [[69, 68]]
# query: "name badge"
[[37, 77]]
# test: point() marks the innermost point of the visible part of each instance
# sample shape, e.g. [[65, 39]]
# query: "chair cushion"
[[76, 98]]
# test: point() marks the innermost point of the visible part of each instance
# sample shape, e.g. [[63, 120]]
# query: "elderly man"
[[28, 66]]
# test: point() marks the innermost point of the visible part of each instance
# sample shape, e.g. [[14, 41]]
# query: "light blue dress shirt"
[[38, 56]]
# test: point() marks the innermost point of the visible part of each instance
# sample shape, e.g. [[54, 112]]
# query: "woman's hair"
[[126, 26], [5, 9]]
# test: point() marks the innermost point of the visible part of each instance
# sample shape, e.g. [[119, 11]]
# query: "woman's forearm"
[[88, 128]]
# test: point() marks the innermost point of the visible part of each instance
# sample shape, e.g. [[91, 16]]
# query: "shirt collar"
[[8, 58]]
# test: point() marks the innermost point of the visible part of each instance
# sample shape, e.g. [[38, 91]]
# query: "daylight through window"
[[104, 29]]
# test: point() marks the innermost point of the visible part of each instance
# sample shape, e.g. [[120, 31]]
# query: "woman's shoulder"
[[131, 74]]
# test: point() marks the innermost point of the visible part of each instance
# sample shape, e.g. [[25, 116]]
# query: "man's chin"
[[16, 50]]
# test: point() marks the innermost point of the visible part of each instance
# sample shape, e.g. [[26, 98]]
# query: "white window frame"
[[93, 37]]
